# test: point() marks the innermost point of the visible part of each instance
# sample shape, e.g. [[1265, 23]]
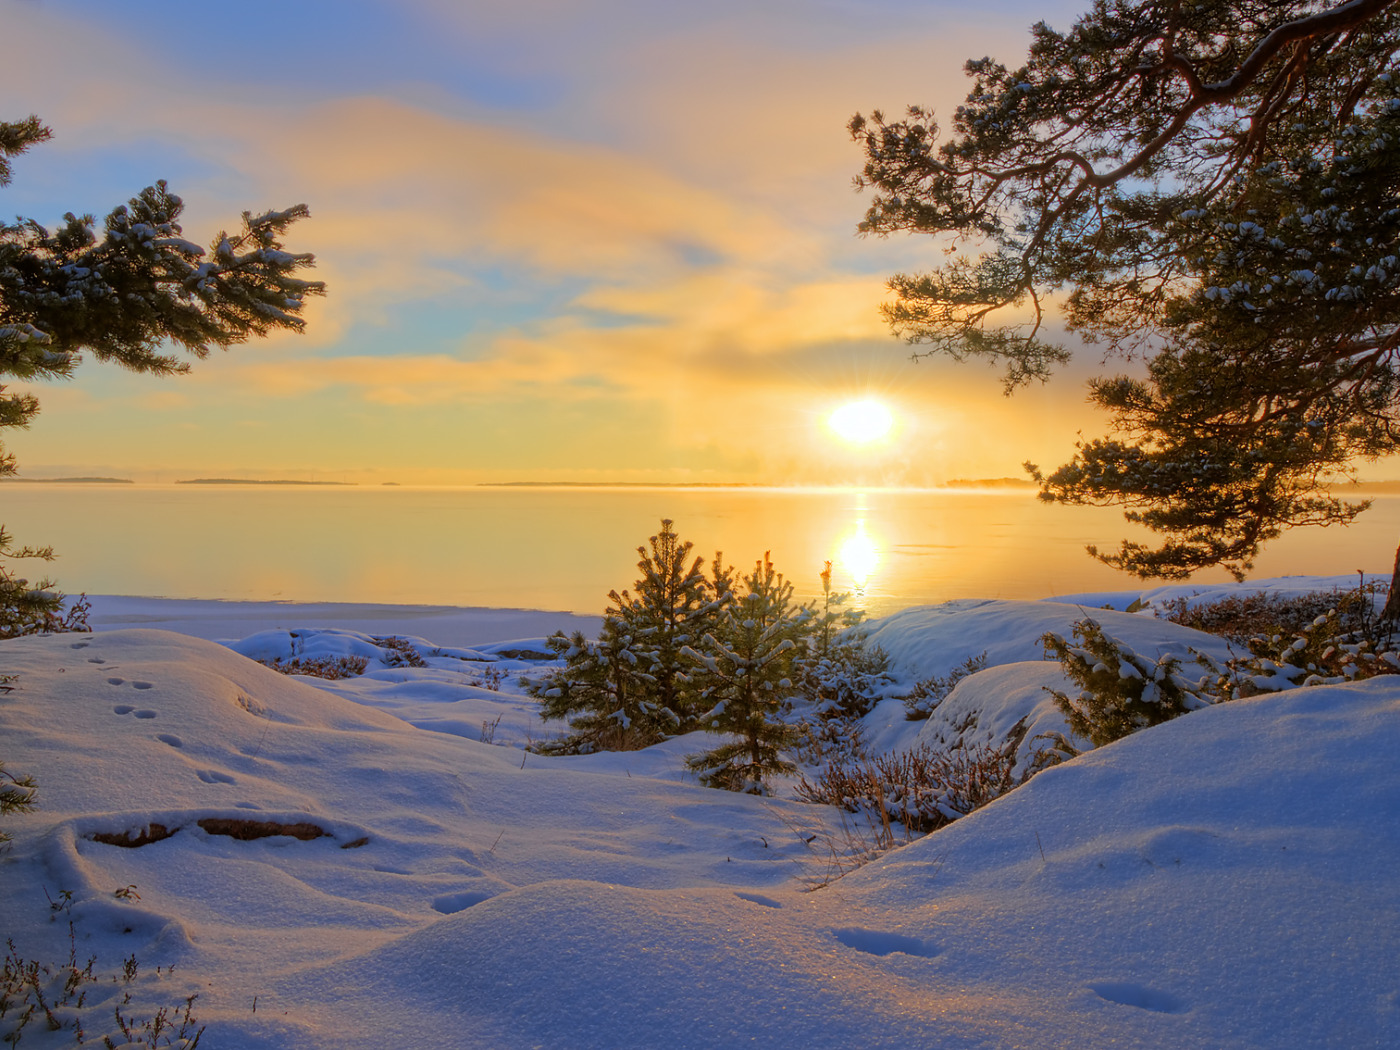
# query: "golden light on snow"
[[861, 422]]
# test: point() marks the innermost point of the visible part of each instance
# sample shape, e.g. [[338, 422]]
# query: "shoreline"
[[217, 619], [221, 619]]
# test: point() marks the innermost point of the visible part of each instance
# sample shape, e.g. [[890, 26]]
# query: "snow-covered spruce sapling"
[[632, 687], [672, 605], [837, 672], [600, 692], [746, 674], [17, 795], [1121, 691]]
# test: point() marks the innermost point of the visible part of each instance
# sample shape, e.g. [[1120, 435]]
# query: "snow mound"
[[328, 875]]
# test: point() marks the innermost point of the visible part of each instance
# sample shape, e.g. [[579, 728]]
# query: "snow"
[[1224, 880]]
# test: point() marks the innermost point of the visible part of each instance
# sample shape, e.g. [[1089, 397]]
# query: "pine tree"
[[836, 671], [17, 794], [126, 297], [747, 675], [1121, 691], [673, 607], [632, 687], [600, 691], [1210, 186]]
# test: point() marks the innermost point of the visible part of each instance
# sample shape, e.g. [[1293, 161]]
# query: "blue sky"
[[601, 241]]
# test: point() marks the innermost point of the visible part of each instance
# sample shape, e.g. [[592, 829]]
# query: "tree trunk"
[[1391, 613]]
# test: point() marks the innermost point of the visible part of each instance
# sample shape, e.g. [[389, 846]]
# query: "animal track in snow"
[[213, 776], [94, 659], [116, 681], [123, 709], [145, 713], [451, 903], [79, 645], [1126, 993], [142, 685], [171, 739], [758, 898], [878, 942]]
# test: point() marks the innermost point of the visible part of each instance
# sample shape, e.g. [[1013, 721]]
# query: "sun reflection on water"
[[858, 556]]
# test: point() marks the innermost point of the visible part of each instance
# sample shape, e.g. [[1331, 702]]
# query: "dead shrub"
[[401, 652], [923, 789], [1243, 617], [330, 667]]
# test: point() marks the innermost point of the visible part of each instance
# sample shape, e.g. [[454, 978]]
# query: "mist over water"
[[565, 548]]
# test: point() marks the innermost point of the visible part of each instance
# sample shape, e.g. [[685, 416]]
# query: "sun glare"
[[861, 422], [858, 556]]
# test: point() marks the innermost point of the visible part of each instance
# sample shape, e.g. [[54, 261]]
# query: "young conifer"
[[632, 687], [673, 607], [747, 672], [599, 690]]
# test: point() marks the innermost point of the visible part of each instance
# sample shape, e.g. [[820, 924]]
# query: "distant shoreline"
[[73, 481], [260, 481], [1359, 489]]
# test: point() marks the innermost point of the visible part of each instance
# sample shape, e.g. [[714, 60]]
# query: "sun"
[[861, 422]]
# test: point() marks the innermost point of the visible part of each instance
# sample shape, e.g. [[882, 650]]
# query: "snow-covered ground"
[[1225, 880]]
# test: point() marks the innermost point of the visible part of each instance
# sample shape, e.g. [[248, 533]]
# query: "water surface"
[[565, 548]]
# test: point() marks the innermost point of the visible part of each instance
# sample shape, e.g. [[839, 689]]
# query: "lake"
[[565, 548]]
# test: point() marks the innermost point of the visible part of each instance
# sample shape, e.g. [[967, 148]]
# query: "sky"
[[608, 241]]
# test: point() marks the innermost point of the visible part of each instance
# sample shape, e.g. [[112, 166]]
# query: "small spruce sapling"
[[632, 687], [746, 673], [600, 691], [1121, 691], [673, 607], [837, 672], [17, 795]]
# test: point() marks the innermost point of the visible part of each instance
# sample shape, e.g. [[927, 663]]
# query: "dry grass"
[[330, 667], [923, 789], [1243, 617]]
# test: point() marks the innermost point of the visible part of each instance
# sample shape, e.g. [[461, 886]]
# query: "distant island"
[[74, 481], [621, 485], [257, 481]]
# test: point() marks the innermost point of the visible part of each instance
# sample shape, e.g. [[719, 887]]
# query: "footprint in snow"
[[123, 709], [758, 898], [878, 942], [116, 681], [213, 776], [171, 739], [452, 903], [146, 713], [94, 659], [79, 645], [142, 685], [1126, 993]]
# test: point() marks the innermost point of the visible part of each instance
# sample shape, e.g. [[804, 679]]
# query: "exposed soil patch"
[[247, 830], [125, 839], [243, 830]]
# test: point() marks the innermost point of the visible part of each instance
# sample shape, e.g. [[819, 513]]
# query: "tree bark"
[[1391, 613]]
